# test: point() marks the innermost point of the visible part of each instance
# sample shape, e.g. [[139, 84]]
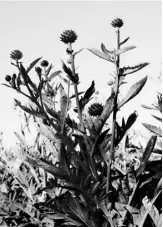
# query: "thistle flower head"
[[117, 23], [8, 78], [16, 55], [68, 36], [95, 109], [44, 63]]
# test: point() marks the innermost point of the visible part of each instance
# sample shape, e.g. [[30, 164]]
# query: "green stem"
[[114, 116]]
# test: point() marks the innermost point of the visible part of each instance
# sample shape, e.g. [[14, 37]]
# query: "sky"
[[34, 27]]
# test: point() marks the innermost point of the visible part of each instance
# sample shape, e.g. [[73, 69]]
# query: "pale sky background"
[[35, 27]]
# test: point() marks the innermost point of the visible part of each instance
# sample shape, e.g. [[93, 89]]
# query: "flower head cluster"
[[68, 36], [44, 63], [16, 55], [117, 23]]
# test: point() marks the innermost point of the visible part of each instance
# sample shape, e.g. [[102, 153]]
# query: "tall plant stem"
[[76, 88], [114, 115], [92, 162]]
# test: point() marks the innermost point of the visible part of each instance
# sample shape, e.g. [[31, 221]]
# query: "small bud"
[[16, 55], [44, 63], [95, 109], [117, 23], [8, 78], [68, 36], [38, 71]]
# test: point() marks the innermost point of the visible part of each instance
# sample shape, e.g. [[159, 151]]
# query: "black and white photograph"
[[80, 113]]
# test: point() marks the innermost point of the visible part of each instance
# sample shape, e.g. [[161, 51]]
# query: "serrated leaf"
[[153, 129], [33, 64], [120, 51], [146, 155], [124, 41], [132, 69], [101, 54], [133, 91]]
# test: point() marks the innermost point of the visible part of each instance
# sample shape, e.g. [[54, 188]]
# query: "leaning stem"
[[114, 116]]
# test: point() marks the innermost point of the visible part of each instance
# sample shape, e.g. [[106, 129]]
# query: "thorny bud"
[[16, 55], [68, 36], [8, 78], [95, 109], [44, 63], [117, 23], [38, 71]]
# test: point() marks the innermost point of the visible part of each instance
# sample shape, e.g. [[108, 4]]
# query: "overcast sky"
[[35, 27]]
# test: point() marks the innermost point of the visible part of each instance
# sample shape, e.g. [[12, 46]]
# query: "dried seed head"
[[16, 55], [44, 63], [8, 78], [117, 23], [95, 109], [68, 36]]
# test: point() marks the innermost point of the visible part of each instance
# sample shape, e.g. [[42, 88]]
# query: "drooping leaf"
[[101, 54], [106, 51], [33, 64], [146, 155], [133, 91], [132, 69], [124, 41], [120, 51], [153, 129]]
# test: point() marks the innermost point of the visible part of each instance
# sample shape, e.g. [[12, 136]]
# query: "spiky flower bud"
[[16, 55], [44, 63], [95, 109], [8, 78], [117, 23], [38, 71], [68, 36]]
